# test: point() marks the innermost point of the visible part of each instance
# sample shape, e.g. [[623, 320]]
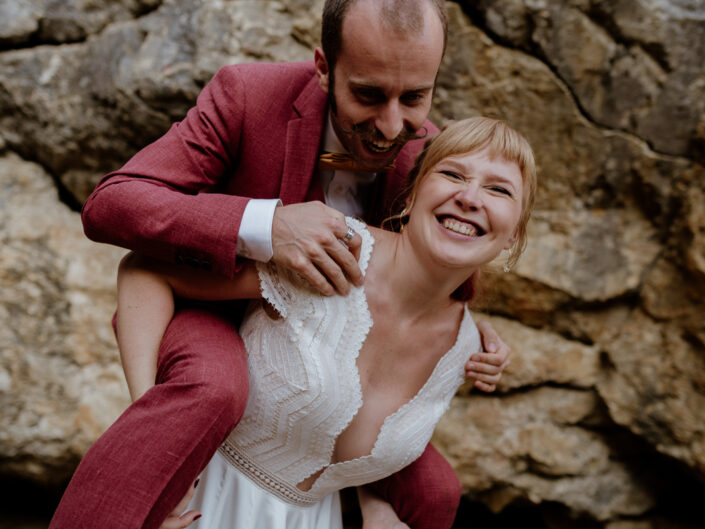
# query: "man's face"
[[383, 84]]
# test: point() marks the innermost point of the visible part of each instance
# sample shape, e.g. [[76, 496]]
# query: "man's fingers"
[[346, 260], [316, 278], [306, 238], [354, 247], [331, 270]]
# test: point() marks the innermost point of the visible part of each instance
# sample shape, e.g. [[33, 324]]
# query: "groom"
[[239, 177]]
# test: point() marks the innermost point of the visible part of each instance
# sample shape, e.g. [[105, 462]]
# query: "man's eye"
[[368, 96], [412, 98]]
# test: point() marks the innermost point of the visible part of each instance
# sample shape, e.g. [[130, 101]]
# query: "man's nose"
[[390, 120]]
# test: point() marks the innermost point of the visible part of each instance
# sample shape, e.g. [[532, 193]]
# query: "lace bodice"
[[305, 389]]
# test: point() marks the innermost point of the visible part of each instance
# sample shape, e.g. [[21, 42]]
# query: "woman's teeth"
[[458, 227]]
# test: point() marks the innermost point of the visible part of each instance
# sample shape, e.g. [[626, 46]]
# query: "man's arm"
[[156, 205], [161, 202]]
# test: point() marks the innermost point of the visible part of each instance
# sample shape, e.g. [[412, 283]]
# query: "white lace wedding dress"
[[304, 391]]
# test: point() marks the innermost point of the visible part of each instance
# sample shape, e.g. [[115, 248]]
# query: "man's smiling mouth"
[[380, 146]]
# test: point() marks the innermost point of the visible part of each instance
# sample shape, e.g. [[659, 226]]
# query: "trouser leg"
[[425, 494], [140, 468]]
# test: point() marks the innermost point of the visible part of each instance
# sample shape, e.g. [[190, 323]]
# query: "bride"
[[347, 390]]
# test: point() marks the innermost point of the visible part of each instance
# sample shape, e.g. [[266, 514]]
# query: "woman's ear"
[[512, 240], [322, 72]]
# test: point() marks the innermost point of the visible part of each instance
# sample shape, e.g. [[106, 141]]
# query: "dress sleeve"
[[273, 283]]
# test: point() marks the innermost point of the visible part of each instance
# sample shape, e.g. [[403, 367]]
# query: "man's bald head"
[[401, 16]]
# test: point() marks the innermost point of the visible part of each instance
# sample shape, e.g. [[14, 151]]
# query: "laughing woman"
[[347, 390]]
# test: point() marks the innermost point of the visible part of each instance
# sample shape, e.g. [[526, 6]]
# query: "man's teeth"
[[465, 229], [380, 146]]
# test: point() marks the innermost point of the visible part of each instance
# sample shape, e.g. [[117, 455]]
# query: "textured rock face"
[[606, 392], [60, 382]]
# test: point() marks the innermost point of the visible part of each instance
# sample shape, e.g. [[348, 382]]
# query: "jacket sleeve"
[[162, 202]]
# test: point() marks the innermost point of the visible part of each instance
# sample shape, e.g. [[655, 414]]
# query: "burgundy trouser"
[[141, 467]]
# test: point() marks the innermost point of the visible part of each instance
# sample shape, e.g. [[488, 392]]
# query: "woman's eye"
[[502, 190], [452, 175]]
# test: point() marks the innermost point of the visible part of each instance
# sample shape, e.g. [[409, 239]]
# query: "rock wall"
[[599, 420]]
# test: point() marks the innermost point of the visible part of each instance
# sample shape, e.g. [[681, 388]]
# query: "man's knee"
[[426, 494], [442, 495], [203, 358], [227, 402]]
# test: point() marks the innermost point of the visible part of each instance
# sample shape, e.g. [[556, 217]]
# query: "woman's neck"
[[398, 275]]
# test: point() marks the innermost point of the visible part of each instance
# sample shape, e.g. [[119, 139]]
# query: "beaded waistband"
[[266, 480]]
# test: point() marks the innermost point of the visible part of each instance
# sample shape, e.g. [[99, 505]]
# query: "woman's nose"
[[469, 197]]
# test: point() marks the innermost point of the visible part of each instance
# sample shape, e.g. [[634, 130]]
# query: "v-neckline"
[[366, 252]]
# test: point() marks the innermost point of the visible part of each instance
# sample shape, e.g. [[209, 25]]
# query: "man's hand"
[[486, 367], [177, 520], [306, 238]]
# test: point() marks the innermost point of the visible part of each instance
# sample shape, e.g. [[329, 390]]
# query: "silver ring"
[[348, 236]]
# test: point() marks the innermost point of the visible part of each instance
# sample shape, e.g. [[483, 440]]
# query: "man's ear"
[[321, 64]]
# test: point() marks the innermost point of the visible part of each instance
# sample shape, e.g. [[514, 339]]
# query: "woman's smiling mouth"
[[461, 227]]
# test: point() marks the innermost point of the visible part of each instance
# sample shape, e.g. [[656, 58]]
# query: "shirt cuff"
[[254, 240]]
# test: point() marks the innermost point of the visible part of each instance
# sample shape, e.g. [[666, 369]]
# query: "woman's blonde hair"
[[471, 135]]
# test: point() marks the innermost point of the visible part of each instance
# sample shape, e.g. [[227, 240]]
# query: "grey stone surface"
[[605, 394]]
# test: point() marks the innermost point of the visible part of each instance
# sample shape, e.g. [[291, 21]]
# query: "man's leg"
[[140, 468], [425, 494]]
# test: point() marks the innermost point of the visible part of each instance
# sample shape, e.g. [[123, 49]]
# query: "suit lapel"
[[303, 136]]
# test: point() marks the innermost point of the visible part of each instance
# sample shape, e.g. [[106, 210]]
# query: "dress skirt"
[[230, 500]]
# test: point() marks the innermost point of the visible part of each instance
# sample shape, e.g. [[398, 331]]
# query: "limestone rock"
[[22, 21], [593, 255], [695, 219], [634, 65], [531, 445], [654, 384], [19, 19], [604, 313], [60, 381], [82, 109]]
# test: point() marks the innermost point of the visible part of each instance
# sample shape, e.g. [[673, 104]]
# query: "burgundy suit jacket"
[[254, 133]]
